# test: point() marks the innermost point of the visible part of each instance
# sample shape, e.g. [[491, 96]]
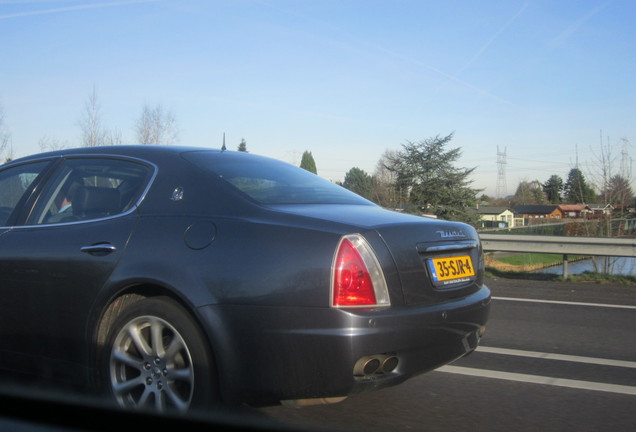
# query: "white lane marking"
[[551, 356], [538, 379], [615, 306]]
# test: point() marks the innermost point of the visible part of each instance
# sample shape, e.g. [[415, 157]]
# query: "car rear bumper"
[[285, 353]]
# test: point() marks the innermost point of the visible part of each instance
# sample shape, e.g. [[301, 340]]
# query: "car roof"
[[139, 151]]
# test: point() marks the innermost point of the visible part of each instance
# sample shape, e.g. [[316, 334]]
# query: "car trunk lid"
[[435, 259]]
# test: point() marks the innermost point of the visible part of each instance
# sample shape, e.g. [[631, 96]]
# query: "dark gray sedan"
[[176, 278]]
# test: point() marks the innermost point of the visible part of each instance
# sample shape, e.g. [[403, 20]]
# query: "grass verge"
[[537, 259], [528, 266]]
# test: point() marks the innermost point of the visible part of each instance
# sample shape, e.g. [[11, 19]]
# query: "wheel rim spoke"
[[145, 397], [176, 400], [175, 347], [124, 387], [126, 359], [184, 374], [138, 339], [156, 337]]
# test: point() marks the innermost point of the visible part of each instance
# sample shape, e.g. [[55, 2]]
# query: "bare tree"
[[603, 168], [614, 188], [384, 182], [47, 143], [93, 132], [157, 126], [6, 147], [113, 138]]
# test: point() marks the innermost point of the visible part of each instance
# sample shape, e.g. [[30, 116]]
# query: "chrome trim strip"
[[448, 247], [101, 247]]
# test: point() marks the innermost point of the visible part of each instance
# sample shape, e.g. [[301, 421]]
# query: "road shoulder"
[[563, 291]]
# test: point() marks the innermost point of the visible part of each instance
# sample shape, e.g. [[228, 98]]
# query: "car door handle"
[[99, 249]]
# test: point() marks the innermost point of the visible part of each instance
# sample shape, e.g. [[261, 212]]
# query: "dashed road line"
[[538, 379], [569, 303], [553, 356]]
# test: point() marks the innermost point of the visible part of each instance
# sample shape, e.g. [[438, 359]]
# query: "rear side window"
[[89, 188], [270, 181], [14, 183]]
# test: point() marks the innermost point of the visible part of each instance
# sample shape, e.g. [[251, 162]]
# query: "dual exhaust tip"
[[367, 367], [378, 364]]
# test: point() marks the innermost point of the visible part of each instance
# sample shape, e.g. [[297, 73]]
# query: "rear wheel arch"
[[111, 308]]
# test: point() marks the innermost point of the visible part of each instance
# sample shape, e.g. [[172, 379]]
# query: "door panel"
[[49, 284], [51, 268]]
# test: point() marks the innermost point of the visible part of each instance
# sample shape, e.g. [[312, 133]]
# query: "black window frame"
[[45, 195], [22, 208]]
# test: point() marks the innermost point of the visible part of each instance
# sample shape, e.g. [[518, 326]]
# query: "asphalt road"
[[556, 357]]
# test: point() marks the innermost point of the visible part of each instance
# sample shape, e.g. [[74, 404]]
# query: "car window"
[[14, 182], [90, 189], [270, 181]]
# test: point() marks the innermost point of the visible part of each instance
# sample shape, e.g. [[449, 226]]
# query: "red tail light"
[[357, 279]]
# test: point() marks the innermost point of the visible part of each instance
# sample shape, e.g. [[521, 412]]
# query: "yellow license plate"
[[456, 268]]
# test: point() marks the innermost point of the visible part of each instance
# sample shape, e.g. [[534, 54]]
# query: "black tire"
[[157, 358]]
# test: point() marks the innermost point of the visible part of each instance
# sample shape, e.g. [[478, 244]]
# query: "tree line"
[[422, 177], [576, 189], [155, 125], [609, 182]]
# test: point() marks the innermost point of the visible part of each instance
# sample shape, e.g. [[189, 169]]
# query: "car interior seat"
[[93, 202]]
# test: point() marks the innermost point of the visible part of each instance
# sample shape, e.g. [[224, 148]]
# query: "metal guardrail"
[[617, 247], [560, 245]]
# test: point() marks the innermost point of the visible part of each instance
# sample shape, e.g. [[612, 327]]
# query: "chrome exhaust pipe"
[[377, 364], [389, 364], [367, 366]]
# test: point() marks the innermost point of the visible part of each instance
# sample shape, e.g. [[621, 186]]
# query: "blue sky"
[[547, 81]]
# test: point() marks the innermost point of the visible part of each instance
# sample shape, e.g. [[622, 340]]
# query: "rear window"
[[269, 181]]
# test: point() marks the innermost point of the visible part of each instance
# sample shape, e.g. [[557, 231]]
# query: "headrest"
[[90, 201]]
